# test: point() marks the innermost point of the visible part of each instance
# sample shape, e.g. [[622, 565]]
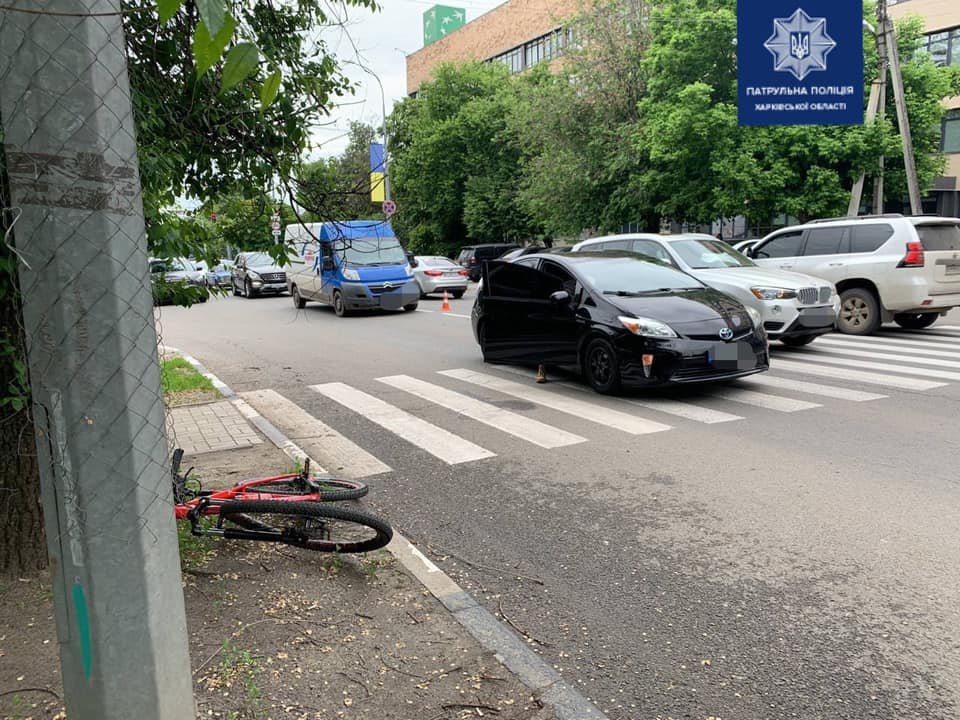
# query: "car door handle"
[[837, 264], [786, 267]]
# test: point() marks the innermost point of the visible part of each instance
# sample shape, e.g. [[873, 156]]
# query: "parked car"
[[618, 317], [885, 267], [221, 274], [351, 265], [255, 273], [795, 308], [434, 273], [472, 257], [167, 273]]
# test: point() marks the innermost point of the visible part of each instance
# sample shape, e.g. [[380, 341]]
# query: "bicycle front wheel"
[[325, 489], [308, 525]]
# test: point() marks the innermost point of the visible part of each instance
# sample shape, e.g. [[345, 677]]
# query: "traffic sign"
[[389, 207]]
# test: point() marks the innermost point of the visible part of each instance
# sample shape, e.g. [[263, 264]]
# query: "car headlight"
[[647, 327], [253, 275], [773, 293], [755, 316], [350, 274]]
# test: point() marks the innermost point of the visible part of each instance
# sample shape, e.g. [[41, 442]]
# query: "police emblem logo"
[[799, 44]]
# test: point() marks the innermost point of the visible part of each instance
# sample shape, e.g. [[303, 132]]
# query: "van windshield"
[[370, 251]]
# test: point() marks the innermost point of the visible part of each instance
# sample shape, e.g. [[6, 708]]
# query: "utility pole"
[[88, 317], [889, 59]]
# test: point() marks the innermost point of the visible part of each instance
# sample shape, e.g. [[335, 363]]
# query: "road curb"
[[532, 670]]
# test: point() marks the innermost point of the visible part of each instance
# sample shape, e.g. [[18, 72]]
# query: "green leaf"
[[167, 9], [241, 63], [269, 89], [207, 50], [212, 12]]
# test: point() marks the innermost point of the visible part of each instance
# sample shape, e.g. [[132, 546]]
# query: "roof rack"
[[854, 217]]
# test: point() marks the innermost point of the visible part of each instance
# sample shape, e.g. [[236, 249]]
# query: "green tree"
[[455, 164], [223, 102], [340, 187], [702, 165], [575, 125]]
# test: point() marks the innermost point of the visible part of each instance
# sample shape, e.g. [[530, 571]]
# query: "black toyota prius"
[[621, 318]]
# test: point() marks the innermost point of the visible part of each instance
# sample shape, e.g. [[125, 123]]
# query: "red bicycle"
[[292, 509]]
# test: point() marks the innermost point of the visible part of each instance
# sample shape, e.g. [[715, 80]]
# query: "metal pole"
[[909, 161], [386, 137], [92, 355], [881, 106]]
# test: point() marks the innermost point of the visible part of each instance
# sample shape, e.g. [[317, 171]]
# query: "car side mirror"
[[328, 264], [560, 297]]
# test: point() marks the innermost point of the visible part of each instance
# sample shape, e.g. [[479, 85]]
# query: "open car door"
[[520, 322]]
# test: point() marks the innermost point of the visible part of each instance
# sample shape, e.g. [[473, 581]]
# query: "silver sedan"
[[436, 274]]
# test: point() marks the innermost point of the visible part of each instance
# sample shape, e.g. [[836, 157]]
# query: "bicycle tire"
[[326, 489], [289, 523]]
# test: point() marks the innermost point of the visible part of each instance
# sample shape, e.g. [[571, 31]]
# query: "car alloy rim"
[[855, 312], [600, 365]]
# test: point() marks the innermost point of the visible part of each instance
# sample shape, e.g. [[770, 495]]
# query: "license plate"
[[732, 356], [952, 270]]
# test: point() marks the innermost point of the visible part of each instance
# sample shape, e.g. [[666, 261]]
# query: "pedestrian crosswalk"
[[835, 369]]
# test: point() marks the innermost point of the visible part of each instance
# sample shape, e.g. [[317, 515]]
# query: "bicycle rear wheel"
[[326, 489], [308, 525]]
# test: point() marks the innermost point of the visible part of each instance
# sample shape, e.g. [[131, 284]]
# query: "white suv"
[[885, 267], [794, 308]]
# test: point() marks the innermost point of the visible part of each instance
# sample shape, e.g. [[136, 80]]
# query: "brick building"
[[518, 33]]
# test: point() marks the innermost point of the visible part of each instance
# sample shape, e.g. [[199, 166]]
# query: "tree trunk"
[[23, 545]]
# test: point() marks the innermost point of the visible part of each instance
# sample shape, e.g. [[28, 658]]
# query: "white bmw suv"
[[885, 267], [794, 308]]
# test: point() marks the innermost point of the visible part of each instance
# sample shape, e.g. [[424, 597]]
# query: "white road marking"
[[904, 339], [808, 362], [438, 442], [815, 353], [336, 453], [584, 410], [891, 347], [667, 406], [513, 423], [811, 388], [762, 400]]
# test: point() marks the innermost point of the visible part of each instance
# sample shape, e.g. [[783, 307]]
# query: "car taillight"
[[433, 273], [464, 272], [914, 256]]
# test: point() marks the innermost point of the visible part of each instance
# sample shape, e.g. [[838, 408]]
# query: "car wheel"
[[915, 321], [339, 307], [248, 291], [457, 294], [859, 312], [410, 307], [601, 368], [798, 340], [298, 302]]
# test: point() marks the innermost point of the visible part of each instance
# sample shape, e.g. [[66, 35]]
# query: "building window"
[[944, 46], [540, 49], [950, 138]]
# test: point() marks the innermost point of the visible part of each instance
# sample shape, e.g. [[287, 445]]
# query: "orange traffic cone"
[[445, 307]]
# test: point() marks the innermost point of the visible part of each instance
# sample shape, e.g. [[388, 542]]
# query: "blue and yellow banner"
[[377, 173]]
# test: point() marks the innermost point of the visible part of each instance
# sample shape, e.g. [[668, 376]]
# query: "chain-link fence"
[[75, 227]]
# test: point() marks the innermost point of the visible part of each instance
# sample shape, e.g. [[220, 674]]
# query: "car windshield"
[[371, 251], [705, 254], [259, 260], [634, 275]]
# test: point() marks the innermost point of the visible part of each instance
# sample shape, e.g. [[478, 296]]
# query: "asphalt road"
[[798, 560]]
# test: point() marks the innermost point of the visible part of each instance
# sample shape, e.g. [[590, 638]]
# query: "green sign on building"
[[441, 20]]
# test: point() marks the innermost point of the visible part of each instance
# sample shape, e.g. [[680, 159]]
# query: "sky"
[[376, 44]]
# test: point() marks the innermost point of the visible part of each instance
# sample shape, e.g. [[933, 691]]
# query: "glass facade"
[[540, 49]]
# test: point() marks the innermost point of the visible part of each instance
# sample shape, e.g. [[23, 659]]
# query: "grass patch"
[[195, 550], [177, 375]]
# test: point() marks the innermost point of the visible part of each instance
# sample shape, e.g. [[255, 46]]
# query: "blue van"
[[351, 265]]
